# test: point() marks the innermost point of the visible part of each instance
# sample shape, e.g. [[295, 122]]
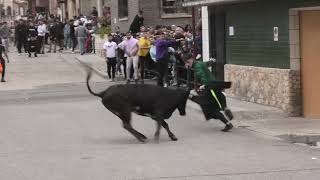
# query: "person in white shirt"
[[110, 51], [42, 29]]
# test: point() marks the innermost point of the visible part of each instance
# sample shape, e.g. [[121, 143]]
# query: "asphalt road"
[[63, 133]]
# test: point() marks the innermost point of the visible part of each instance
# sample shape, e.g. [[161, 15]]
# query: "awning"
[[210, 2]]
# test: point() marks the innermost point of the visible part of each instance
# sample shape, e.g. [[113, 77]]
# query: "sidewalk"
[[51, 68]]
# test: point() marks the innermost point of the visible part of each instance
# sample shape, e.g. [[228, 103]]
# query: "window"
[[122, 9], [174, 8]]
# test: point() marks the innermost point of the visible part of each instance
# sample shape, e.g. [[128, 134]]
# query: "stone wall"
[[269, 86]]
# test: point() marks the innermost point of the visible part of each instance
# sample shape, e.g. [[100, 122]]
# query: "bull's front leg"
[[160, 120]]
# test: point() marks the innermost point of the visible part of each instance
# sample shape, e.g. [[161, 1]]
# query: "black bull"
[[148, 100]]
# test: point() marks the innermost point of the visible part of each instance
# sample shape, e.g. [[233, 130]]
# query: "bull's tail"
[[88, 86]]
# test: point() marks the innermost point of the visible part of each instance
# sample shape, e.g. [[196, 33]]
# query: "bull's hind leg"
[[126, 120], [171, 135], [123, 112]]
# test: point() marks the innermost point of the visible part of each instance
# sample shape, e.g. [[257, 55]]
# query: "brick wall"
[[152, 14]]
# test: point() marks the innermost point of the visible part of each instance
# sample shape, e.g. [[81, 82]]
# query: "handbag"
[[1, 68]]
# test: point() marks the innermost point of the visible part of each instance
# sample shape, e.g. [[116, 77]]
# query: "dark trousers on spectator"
[[142, 61], [74, 41], [112, 63], [3, 64], [21, 42], [41, 40], [162, 68]]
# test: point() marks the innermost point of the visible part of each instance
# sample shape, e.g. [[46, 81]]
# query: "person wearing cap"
[[213, 101]]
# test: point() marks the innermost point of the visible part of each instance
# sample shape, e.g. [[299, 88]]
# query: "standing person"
[[2, 61], [162, 57], [94, 12], [131, 47], [5, 34], [32, 39], [52, 36], [59, 34], [137, 23], [82, 33], [110, 51], [73, 36], [118, 38], [42, 29], [66, 34], [21, 34], [213, 101], [144, 47]]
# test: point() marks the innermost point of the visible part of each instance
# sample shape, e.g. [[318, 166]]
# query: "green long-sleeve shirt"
[[202, 73]]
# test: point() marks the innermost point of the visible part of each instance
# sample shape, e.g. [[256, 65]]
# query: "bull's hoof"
[[173, 138]]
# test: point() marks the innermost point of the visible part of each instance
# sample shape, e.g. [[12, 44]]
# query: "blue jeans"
[[67, 41], [81, 41]]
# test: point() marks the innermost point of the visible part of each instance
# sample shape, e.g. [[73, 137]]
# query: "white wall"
[[205, 33]]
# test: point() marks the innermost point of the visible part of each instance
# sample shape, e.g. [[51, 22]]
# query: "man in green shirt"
[[212, 100]]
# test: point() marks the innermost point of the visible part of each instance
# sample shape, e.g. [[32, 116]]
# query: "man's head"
[[143, 29], [94, 8], [110, 37], [117, 29], [128, 35], [140, 13], [21, 21], [40, 22]]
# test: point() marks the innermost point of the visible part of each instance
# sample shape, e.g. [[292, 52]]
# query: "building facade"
[[156, 12], [269, 49], [12, 10]]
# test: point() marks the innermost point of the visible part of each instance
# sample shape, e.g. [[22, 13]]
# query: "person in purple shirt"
[[162, 57]]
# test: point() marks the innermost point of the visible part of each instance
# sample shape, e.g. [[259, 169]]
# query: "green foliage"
[[104, 30]]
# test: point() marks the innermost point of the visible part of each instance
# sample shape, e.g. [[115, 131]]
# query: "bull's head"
[[183, 101]]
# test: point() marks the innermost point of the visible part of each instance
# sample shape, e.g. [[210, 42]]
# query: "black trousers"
[[74, 42], [142, 62], [41, 44], [112, 63], [3, 64], [20, 42], [162, 68]]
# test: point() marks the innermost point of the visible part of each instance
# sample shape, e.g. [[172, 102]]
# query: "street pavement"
[[53, 129]]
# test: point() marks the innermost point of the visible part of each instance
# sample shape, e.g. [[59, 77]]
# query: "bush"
[[103, 30]]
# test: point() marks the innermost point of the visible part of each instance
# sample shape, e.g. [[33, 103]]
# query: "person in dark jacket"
[[32, 39], [21, 34], [137, 23], [73, 35], [212, 100]]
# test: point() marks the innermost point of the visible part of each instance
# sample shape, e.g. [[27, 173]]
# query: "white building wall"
[[205, 33]]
